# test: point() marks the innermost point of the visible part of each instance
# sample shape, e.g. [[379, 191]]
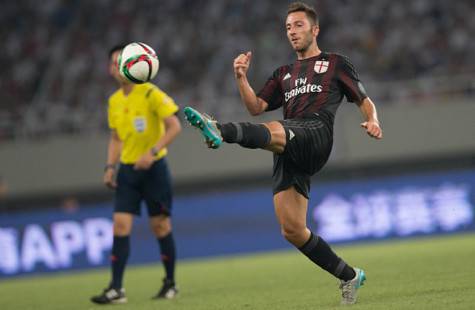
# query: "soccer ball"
[[138, 63]]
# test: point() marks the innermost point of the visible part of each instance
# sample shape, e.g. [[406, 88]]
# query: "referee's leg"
[[115, 293], [162, 228], [158, 197], [121, 246]]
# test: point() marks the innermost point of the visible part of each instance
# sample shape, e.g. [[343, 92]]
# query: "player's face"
[[114, 67], [300, 31]]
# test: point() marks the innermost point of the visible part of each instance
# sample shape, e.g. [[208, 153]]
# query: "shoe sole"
[[119, 301], [168, 295], [197, 120]]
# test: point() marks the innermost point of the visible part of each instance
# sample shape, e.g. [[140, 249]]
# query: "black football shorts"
[[309, 143], [152, 186]]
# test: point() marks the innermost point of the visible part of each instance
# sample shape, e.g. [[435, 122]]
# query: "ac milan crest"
[[321, 66]]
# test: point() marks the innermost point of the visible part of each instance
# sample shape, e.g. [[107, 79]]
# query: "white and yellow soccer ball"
[[138, 63]]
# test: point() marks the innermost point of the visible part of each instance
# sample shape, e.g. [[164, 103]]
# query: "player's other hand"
[[373, 129], [144, 162], [241, 64], [108, 179]]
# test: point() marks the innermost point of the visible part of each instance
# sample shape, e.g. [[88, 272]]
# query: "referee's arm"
[[172, 129], [113, 155]]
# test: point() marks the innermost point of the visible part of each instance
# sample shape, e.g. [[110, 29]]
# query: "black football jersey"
[[312, 86]]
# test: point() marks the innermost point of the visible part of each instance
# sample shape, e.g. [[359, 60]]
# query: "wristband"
[[109, 166], [154, 151]]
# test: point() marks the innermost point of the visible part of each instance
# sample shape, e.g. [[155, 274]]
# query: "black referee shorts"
[[153, 186], [309, 143]]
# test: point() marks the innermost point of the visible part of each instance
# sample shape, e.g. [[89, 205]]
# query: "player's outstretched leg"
[[269, 136]]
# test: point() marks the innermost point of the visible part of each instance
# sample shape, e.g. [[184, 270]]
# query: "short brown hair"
[[303, 7]]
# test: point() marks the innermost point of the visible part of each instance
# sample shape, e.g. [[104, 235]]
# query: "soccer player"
[[143, 123], [309, 91]]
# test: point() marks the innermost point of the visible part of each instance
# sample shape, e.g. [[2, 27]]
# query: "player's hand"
[[241, 64], [144, 162], [373, 129], [109, 179]]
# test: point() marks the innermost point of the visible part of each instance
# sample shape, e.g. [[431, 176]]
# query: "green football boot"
[[207, 125]]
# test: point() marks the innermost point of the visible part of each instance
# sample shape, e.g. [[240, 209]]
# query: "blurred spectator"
[[54, 77], [70, 205]]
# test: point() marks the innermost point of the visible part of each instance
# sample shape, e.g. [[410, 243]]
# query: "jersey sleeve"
[[350, 82], [110, 116], [161, 103], [272, 92]]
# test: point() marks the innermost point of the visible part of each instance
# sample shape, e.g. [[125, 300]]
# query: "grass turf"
[[428, 273]]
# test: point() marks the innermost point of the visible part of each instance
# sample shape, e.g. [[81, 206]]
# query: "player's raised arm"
[[371, 123], [254, 104]]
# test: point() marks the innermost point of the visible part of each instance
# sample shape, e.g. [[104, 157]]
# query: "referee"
[[143, 123]]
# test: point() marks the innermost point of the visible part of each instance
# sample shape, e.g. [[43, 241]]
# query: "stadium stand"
[[54, 78]]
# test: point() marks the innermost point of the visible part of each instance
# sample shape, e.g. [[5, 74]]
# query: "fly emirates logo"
[[301, 87]]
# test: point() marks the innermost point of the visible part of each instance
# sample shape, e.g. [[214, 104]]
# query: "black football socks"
[[319, 252], [120, 254], [168, 254], [251, 136]]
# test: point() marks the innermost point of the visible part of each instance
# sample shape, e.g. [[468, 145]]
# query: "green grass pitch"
[[426, 273]]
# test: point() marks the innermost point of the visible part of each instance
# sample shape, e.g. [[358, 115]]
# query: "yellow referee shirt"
[[138, 119]]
